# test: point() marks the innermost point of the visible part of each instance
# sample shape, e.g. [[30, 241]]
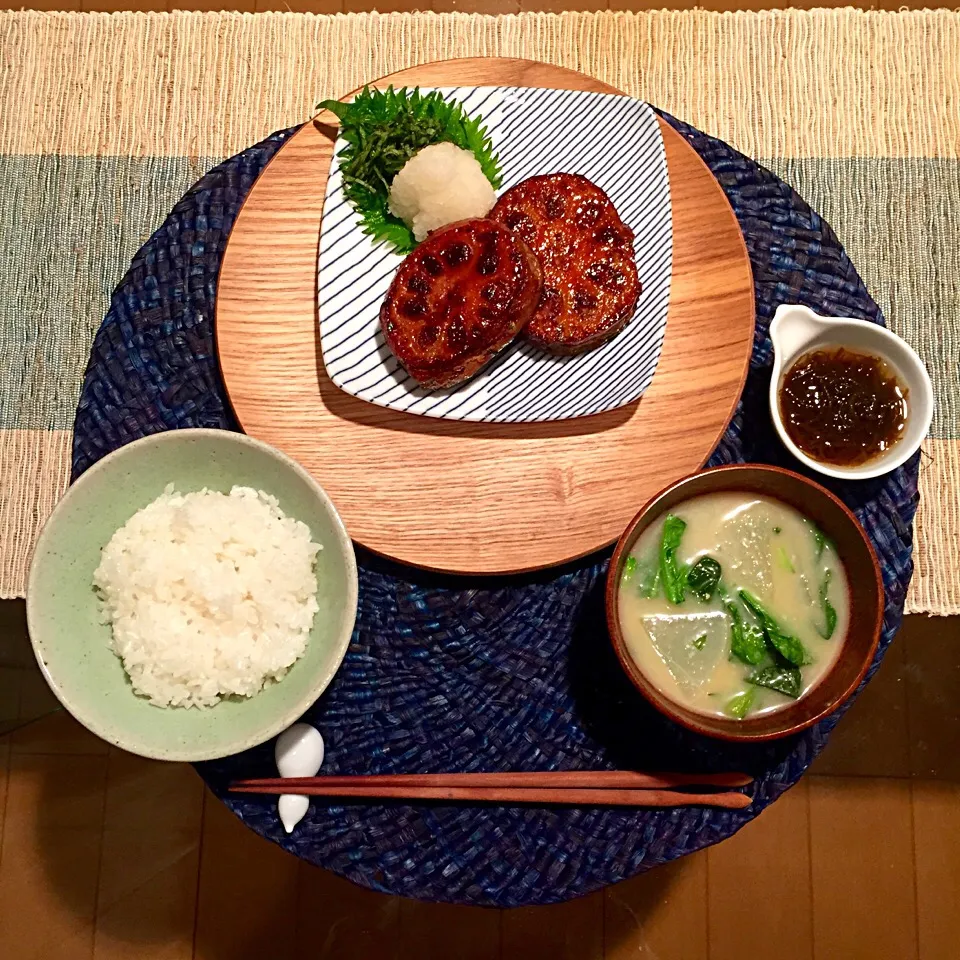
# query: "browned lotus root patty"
[[590, 282], [459, 299]]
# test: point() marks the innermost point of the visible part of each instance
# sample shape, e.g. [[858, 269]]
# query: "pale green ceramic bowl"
[[71, 644]]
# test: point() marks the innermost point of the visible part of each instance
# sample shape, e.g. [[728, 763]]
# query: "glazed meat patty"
[[459, 299], [590, 282]]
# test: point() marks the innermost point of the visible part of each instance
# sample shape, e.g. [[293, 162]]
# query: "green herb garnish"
[[383, 130], [671, 575], [629, 569], [703, 578], [698, 643]]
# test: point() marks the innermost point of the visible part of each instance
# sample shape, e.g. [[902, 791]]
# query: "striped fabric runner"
[[106, 119]]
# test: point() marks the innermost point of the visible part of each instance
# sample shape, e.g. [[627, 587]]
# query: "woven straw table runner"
[[105, 120]]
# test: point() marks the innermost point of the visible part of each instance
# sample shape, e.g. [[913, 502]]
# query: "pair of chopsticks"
[[623, 788]]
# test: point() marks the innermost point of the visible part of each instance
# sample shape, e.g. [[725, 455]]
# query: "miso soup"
[[734, 604]]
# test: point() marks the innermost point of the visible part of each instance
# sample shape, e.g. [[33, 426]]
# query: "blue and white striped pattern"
[[615, 142]]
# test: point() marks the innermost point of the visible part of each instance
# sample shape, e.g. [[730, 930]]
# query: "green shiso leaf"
[[383, 129]]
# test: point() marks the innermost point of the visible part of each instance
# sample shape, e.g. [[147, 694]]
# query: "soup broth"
[[734, 604]]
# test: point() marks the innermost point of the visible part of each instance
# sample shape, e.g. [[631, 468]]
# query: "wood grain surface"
[[478, 498]]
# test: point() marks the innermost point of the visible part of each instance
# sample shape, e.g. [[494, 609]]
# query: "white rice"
[[209, 595], [440, 184]]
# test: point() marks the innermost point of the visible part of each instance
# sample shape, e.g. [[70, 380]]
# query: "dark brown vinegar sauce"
[[843, 407]]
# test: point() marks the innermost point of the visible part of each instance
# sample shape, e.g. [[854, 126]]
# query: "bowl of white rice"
[[192, 595]]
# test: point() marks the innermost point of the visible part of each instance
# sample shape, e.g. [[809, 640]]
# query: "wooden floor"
[[108, 856]]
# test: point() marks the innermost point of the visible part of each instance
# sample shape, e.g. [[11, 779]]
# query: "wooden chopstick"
[[591, 779], [576, 787], [575, 796]]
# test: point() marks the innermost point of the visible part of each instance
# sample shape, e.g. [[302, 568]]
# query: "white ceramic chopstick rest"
[[299, 753]]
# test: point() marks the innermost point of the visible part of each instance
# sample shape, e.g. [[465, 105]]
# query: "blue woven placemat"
[[515, 673]]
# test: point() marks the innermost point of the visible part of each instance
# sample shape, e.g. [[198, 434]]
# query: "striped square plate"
[[615, 142]]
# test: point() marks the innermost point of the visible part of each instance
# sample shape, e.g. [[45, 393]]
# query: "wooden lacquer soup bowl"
[[863, 577]]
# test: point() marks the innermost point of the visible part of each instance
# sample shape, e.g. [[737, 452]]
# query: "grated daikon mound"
[[209, 595], [439, 185]]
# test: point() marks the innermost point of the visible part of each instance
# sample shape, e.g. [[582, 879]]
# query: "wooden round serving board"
[[478, 497]]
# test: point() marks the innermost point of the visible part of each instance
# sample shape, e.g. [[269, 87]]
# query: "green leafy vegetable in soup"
[[735, 607], [648, 580], [383, 130], [781, 677], [789, 647], [829, 611], [749, 644], [703, 577], [740, 705], [783, 558], [671, 574], [820, 540]]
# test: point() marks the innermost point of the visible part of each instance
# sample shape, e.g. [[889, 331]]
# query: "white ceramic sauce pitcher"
[[796, 330]]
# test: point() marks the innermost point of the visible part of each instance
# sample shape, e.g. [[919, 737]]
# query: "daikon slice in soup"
[[734, 604]]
